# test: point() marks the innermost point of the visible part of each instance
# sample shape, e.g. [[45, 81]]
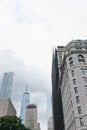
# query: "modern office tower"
[[73, 84], [58, 122], [31, 117], [50, 123], [7, 84], [7, 108], [25, 103]]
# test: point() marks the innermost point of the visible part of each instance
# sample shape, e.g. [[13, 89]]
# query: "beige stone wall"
[[70, 106], [31, 119], [6, 107]]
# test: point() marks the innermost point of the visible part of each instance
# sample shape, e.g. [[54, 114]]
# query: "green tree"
[[11, 123]]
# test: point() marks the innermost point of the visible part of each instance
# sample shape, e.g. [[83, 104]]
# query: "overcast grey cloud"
[[31, 29]]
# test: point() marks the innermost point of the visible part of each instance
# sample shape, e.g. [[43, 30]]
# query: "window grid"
[[85, 79], [84, 71]]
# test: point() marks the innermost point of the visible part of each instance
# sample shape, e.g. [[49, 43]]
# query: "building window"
[[70, 59], [79, 110], [71, 64], [76, 90], [79, 48], [85, 79], [81, 59], [77, 99], [85, 86], [84, 71], [81, 121], [71, 104], [73, 73], [74, 81]]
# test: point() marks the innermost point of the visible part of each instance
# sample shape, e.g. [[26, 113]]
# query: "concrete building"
[[73, 83], [50, 123], [25, 103], [31, 117], [7, 108], [7, 84]]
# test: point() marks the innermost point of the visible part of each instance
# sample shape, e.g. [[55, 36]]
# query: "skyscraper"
[[7, 84], [31, 117], [73, 84], [25, 103]]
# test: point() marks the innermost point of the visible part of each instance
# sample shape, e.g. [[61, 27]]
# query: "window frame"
[[85, 87], [81, 59], [84, 71], [79, 110], [84, 79], [74, 81], [77, 99], [76, 90], [81, 121], [73, 73]]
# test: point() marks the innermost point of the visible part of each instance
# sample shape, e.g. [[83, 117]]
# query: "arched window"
[[81, 58]]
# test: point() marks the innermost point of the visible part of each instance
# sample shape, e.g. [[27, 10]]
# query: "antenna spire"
[[26, 88]]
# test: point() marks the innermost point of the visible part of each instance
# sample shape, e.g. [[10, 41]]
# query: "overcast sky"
[[30, 29]]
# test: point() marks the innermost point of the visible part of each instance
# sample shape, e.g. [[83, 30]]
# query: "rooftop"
[[31, 106]]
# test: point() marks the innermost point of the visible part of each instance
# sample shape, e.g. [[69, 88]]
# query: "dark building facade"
[[57, 109]]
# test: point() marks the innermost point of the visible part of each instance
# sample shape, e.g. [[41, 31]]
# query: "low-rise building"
[[7, 108]]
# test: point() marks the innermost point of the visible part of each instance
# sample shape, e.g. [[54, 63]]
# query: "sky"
[[29, 29]]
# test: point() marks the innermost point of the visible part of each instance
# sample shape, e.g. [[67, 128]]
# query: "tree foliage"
[[11, 123]]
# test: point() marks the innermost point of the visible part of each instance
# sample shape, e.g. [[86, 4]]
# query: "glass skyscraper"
[[25, 103], [6, 86]]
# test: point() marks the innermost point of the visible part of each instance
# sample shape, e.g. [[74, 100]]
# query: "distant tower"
[[50, 123], [25, 103], [6, 87], [31, 117]]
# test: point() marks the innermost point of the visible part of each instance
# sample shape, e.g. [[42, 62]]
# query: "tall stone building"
[[73, 83], [7, 108], [31, 117], [7, 84]]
